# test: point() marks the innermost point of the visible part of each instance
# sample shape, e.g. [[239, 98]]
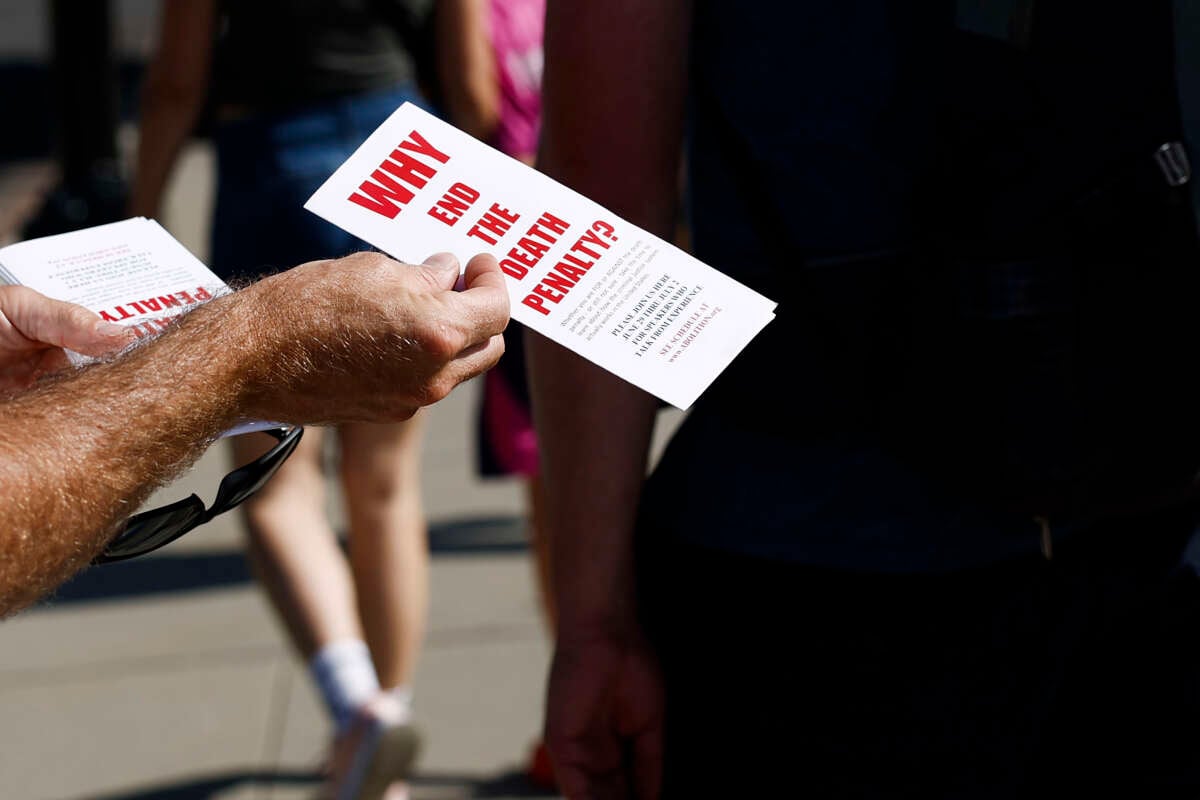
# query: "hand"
[[34, 330], [604, 719], [368, 339]]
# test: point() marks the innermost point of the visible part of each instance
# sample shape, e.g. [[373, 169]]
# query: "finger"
[[23, 373], [445, 267], [576, 782], [483, 270], [477, 359], [485, 297], [572, 783], [102, 338], [54, 322], [647, 763], [51, 360], [583, 785]]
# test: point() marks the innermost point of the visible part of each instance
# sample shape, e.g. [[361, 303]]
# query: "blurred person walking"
[[489, 56], [293, 89]]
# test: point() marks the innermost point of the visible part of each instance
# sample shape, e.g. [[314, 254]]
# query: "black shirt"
[[273, 54]]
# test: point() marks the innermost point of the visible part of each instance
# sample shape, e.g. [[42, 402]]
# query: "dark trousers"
[[1027, 679]]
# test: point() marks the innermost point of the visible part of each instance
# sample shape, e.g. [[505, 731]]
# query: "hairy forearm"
[[82, 451], [358, 339]]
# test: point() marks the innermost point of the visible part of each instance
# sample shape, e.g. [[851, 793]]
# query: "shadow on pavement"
[[507, 785], [212, 786], [423, 787], [193, 571]]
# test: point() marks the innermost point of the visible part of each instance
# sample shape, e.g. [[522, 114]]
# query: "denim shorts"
[[268, 165]]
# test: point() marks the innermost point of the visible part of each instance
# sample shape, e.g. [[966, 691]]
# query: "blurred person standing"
[[960, 560], [489, 56], [293, 88]]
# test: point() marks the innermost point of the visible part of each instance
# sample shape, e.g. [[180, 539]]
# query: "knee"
[[372, 481], [378, 464]]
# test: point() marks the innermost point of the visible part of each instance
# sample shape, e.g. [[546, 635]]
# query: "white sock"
[[345, 677], [402, 696]]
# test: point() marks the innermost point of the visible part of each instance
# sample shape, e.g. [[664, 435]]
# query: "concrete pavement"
[[167, 677]]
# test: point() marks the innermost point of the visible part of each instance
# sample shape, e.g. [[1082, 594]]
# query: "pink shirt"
[[515, 27]]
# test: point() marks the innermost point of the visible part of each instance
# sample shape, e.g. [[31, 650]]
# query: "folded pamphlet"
[[131, 272], [577, 273]]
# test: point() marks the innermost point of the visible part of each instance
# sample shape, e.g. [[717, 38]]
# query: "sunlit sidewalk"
[[169, 677]]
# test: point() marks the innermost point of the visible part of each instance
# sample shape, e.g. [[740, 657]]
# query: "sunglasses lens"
[[153, 529], [245, 481]]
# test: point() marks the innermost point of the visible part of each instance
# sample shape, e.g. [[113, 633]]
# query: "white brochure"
[[131, 273], [602, 287]]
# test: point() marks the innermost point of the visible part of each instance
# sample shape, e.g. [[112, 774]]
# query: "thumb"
[[76, 328], [446, 268], [46, 321], [103, 337]]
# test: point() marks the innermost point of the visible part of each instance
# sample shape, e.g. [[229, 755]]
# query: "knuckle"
[[435, 393], [442, 343], [368, 258], [420, 395], [370, 264]]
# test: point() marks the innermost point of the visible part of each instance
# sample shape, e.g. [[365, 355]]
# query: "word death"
[[571, 267], [392, 185], [526, 254]]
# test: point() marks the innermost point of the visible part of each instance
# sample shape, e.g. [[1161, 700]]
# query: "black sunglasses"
[[160, 526]]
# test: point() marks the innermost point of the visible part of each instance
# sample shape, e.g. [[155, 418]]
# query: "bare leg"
[[389, 555], [294, 551]]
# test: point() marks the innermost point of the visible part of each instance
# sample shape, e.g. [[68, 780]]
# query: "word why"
[[407, 168]]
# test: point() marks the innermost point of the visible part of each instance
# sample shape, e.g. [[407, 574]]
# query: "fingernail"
[[442, 261], [111, 329]]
